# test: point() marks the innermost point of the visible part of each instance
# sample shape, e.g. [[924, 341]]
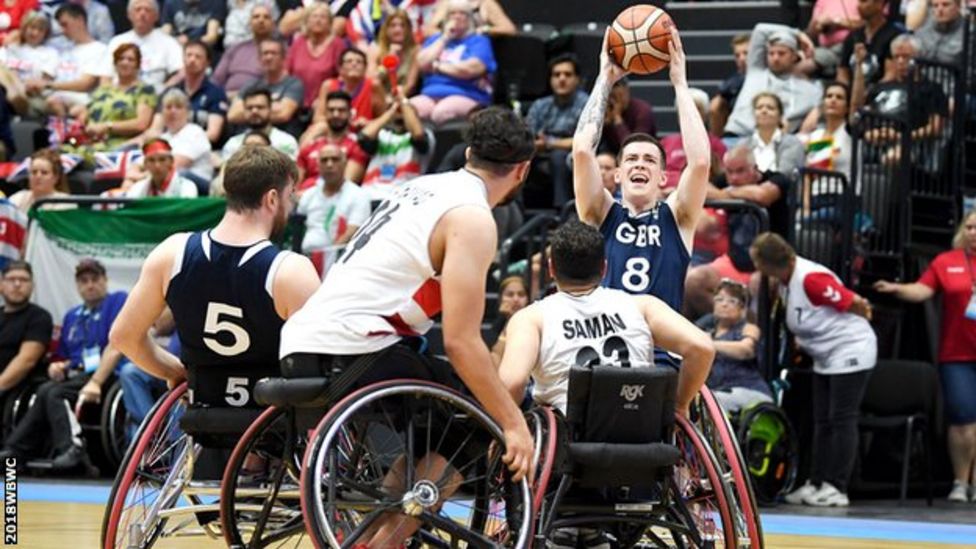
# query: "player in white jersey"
[[831, 325], [584, 324], [425, 250]]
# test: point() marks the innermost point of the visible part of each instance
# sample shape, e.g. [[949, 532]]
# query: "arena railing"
[[822, 219], [881, 181], [968, 114], [530, 239], [937, 162]]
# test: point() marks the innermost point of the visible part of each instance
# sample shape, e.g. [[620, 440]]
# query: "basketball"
[[639, 38]]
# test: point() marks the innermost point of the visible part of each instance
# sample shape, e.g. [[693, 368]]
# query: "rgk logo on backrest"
[[631, 392]]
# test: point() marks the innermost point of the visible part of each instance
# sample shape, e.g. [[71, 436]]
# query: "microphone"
[[391, 62]]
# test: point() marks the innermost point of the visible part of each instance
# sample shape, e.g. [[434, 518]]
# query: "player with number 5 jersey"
[[230, 288], [648, 240]]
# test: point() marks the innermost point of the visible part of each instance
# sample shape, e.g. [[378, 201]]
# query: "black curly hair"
[[498, 140], [577, 253]]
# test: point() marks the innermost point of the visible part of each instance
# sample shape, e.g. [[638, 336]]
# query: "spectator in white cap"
[[774, 51]]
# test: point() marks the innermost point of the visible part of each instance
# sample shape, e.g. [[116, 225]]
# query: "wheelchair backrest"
[[222, 404], [621, 405]]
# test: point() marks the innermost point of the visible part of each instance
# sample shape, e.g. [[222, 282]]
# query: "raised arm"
[[593, 201], [130, 331], [688, 200]]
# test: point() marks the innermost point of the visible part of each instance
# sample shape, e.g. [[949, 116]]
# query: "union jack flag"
[[12, 171], [13, 231], [112, 165]]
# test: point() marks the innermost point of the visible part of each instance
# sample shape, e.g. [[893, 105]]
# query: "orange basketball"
[[639, 38]]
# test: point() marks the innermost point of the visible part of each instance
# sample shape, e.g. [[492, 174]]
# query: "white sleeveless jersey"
[[384, 286], [603, 327], [838, 343]]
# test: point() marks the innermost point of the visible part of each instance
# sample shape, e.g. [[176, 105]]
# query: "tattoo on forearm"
[[590, 125]]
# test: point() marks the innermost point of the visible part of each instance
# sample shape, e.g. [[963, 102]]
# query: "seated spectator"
[[830, 23], [399, 147], [395, 38], [553, 121], [257, 110], [734, 379], [140, 389], [78, 70], [938, 26], [294, 14], [368, 97], [241, 64], [487, 17], [828, 143], [98, 19], [513, 296], [162, 56], [25, 328], [926, 115], [120, 109], [458, 66], [47, 180], [163, 179], [314, 54], [287, 92], [608, 171], [87, 360], [208, 102], [674, 150], [626, 115], [12, 15], [741, 180], [334, 208], [721, 105], [237, 25], [876, 36], [191, 148], [773, 149], [252, 137], [32, 60], [338, 115], [194, 20], [773, 55]]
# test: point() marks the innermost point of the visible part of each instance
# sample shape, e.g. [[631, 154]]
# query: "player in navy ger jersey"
[[648, 240], [230, 289]]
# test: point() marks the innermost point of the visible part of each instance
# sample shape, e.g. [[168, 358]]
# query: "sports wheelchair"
[[623, 466], [170, 478], [387, 453]]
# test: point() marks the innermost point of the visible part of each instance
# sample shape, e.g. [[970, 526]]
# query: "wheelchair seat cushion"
[[303, 391], [601, 464], [621, 405]]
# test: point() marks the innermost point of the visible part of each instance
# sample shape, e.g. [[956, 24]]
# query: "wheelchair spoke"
[[457, 531]]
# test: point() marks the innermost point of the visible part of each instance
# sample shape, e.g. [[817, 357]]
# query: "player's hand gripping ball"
[[639, 39]]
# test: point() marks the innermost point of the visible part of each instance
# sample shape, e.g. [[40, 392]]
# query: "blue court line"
[[800, 525]]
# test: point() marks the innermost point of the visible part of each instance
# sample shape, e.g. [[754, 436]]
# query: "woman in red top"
[[313, 57], [954, 274]]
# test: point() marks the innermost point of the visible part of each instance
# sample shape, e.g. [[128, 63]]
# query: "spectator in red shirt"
[[368, 96], [338, 113], [954, 274], [314, 54]]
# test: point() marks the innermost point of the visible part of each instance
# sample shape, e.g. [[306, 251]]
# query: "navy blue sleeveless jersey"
[[222, 304], [645, 253]]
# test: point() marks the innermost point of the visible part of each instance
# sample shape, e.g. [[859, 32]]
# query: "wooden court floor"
[[44, 525]]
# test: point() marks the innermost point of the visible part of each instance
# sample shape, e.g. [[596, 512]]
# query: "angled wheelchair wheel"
[[150, 478], [15, 406], [771, 450], [259, 497], [705, 495], [115, 423], [408, 456], [714, 424]]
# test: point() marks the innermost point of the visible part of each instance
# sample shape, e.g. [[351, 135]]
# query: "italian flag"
[[119, 238]]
